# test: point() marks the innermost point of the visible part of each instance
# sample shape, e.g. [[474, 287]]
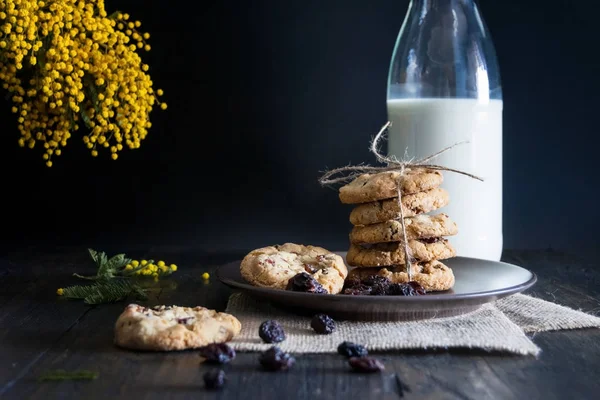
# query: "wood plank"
[[31, 319], [567, 365]]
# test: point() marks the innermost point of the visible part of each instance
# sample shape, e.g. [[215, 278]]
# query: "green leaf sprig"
[[106, 291], [62, 375], [116, 278]]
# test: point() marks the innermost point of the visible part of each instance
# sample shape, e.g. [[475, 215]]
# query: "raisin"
[[214, 379], [276, 360], [376, 280], [366, 364], [351, 282], [219, 353], [358, 290], [322, 324], [303, 282], [417, 287], [406, 289], [350, 349], [431, 240], [271, 332], [311, 269], [184, 321], [380, 289]]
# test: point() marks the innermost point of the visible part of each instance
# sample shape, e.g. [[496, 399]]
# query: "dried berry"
[[376, 280], [406, 289], [303, 282], [323, 324], [276, 360], [214, 379], [358, 290], [431, 240], [366, 364], [350, 349], [380, 289], [311, 269], [219, 353], [417, 287], [271, 332], [351, 282]]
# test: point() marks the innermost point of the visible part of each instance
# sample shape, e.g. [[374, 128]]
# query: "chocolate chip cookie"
[[417, 227], [432, 275], [384, 185], [412, 204], [273, 266], [386, 254], [166, 328]]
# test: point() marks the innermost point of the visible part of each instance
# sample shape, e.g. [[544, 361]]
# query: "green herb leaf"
[[86, 118], [105, 292], [114, 15], [91, 92], [107, 268], [62, 375], [118, 262]]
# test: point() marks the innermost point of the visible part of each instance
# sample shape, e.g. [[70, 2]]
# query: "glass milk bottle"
[[443, 88]]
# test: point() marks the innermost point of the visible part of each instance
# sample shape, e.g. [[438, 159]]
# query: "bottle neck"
[[425, 5]]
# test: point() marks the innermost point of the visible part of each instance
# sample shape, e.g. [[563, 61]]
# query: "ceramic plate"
[[477, 282]]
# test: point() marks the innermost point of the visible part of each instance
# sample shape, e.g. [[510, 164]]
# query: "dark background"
[[263, 95]]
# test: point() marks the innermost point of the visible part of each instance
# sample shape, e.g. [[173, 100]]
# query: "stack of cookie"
[[376, 240]]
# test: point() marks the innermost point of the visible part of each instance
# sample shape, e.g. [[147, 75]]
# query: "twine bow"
[[350, 172]]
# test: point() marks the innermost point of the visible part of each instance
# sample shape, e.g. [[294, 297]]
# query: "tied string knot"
[[391, 163]]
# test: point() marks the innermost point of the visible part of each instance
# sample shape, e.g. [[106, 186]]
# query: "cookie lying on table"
[[295, 265], [165, 328]]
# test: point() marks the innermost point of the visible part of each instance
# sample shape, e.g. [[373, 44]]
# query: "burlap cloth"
[[501, 326]]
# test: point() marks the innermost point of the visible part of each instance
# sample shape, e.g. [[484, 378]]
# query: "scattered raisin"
[[276, 360], [350, 349], [366, 364], [358, 290], [406, 289], [184, 321], [214, 379], [271, 332], [323, 324], [219, 353], [303, 282]]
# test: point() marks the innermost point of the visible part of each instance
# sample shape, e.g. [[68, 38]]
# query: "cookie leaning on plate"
[[165, 328], [384, 185], [273, 266], [433, 275]]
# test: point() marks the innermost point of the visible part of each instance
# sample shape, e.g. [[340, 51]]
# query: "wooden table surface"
[[40, 332]]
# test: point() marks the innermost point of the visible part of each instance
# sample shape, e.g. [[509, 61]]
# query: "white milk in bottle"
[[444, 88], [425, 126]]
